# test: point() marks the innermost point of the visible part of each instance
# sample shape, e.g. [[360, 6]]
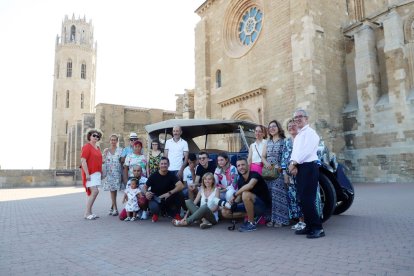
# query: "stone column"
[[202, 102], [395, 61], [366, 72]]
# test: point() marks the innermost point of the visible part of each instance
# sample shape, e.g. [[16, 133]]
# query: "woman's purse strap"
[[257, 151]]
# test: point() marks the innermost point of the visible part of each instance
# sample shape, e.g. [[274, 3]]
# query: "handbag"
[[270, 174]]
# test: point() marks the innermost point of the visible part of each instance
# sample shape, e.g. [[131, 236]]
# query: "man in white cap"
[[129, 149]]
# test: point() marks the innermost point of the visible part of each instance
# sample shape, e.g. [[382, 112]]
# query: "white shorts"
[[95, 180]]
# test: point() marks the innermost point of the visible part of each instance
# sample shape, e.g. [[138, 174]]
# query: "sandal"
[[178, 223], [90, 217]]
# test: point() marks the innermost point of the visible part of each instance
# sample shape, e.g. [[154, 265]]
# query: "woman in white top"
[[208, 196], [256, 149]]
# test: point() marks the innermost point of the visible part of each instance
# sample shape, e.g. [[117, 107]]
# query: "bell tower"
[[73, 83]]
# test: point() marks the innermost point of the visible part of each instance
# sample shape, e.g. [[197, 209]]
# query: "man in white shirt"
[[303, 166], [176, 150]]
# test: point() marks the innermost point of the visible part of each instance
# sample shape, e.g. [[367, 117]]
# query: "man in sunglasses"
[[204, 166]]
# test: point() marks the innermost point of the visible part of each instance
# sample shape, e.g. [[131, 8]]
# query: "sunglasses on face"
[[133, 139], [96, 136]]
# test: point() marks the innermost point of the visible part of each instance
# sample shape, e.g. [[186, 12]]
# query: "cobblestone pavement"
[[43, 233]]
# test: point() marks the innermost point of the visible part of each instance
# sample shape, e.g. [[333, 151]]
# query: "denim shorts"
[[259, 207]]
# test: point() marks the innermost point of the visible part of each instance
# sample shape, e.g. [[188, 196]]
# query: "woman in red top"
[[91, 160]]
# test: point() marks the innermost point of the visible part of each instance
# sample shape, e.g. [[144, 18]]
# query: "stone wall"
[[378, 119], [350, 64], [39, 178]]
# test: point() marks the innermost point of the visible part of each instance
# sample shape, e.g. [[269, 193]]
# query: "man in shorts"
[[252, 192]]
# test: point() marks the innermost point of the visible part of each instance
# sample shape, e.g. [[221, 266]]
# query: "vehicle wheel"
[[342, 206], [328, 196]]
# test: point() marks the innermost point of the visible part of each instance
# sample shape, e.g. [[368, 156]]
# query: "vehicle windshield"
[[232, 142]]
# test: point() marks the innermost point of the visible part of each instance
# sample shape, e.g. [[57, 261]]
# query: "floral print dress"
[[113, 170], [295, 211], [280, 209], [154, 162]]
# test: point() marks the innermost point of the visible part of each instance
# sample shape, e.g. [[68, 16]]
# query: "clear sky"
[[145, 56]]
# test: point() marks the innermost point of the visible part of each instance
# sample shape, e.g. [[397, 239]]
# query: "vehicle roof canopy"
[[197, 127]]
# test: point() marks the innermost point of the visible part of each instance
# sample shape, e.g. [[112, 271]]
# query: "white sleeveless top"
[[255, 156], [209, 201]]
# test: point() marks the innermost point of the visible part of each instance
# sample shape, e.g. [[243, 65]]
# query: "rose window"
[[250, 26]]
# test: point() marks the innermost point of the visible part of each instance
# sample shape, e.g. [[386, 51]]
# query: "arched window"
[[83, 71], [66, 127], [218, 79], [67, 99], [73, 33], [69, 69], [82, 100]]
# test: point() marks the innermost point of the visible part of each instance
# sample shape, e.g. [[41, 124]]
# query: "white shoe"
[[144, 215], [127, 219], [299, 226], [133, 219]]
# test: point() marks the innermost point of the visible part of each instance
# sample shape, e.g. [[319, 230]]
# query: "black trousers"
[[307, 184], [172, 205]]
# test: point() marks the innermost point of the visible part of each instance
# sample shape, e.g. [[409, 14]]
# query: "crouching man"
[[253, 194], [163, 190]]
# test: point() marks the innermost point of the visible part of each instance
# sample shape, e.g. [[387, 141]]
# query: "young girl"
[[131, 199], [225, 176], [208, 196]]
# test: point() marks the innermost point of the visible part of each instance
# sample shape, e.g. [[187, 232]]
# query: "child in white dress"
[[131, 199]]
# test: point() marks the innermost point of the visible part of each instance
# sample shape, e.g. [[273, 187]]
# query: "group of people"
[[192, 188]]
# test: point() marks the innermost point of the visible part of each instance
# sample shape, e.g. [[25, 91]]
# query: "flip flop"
[[90, 217]]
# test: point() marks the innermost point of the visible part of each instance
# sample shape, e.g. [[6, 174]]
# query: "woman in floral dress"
[[112, 171], [272, 155], [154, 157], [294, 209]]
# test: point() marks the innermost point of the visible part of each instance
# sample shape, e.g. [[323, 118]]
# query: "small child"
[[131, 199]]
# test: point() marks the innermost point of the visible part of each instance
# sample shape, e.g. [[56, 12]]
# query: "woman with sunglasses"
[[91, 164]]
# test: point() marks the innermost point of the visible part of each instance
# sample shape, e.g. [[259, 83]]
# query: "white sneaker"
[[144, 215], [299, 226], [127, 219], [133, 218]]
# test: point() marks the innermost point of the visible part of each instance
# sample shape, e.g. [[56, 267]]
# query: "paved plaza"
[[43, 233]]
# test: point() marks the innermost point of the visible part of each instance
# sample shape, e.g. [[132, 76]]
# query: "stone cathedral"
[[350, 63]]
